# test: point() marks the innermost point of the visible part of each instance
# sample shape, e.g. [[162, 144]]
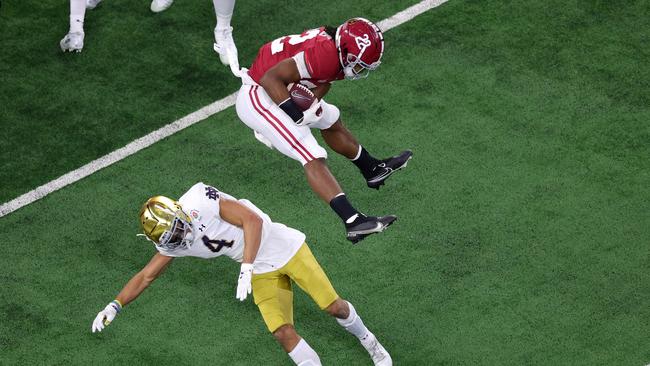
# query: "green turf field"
[[524, 227]]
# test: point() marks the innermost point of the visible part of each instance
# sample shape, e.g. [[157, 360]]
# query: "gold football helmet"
[[164, 222]]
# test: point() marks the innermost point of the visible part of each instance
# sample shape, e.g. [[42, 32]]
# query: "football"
[[301, 96]]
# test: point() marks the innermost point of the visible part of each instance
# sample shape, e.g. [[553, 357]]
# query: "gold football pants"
[[273, 294]]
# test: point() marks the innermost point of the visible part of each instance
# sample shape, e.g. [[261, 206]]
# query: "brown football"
[[301, 96]]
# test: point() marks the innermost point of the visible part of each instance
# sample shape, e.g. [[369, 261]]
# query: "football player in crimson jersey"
[[206, 223], [316, 58]]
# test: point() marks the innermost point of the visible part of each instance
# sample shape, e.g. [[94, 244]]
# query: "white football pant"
[[256, 109]]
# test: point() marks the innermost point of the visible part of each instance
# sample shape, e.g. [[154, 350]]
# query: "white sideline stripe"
[[409, 13], [180, 124], [117, 155]]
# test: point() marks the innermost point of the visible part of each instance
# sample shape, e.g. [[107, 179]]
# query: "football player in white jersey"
[[207, 223], [224, 44]]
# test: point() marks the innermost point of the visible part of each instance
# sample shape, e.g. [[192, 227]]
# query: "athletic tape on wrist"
[[118, 304]]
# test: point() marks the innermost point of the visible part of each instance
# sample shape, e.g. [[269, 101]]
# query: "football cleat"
[[73, 42], [224, 45], [377, 352], [160, 5], [92, 4], [365, 226], [387, 167]]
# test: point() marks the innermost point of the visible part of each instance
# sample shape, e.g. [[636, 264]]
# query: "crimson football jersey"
[[314, 52]]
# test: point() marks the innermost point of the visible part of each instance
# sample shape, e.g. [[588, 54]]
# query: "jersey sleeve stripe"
[[299, 58], [266, 113]]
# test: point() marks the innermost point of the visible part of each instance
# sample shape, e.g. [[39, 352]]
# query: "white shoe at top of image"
[[377, 352], [92, 4], [225, 46], [160, 5], [73, 42]]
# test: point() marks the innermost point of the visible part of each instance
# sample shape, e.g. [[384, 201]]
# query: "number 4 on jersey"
[[216, 245], [278, 44]]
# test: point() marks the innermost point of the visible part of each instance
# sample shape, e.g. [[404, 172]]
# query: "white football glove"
[[244, 284], [312, 115], [106, 316]]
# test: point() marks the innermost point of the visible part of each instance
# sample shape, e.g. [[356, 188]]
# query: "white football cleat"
[[377, 352], [92, 4], [73, 42], [225, 46], [160, 5]]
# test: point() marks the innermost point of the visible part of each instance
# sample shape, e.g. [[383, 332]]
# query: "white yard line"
[[168, 130], [409, 13]]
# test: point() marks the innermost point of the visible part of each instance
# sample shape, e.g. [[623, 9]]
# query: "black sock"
[[343, 207], [365, 162]]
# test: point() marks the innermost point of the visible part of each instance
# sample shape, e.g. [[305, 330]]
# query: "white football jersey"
[[214, 236]]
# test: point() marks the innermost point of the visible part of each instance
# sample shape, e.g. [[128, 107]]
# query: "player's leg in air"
[[273, 295], [74, 40], [375, 171], [258, 111]]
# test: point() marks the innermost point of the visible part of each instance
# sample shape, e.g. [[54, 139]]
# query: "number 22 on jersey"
[[278, 44]]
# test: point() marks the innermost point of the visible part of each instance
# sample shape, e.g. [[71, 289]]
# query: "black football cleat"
[[383, 170], [365, 226]]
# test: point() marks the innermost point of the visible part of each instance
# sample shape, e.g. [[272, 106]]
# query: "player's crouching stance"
[[207, 223]]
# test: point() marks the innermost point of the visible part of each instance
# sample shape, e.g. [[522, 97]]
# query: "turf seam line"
[[178, 125]]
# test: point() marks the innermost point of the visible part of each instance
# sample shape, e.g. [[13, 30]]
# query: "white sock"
[[354, 324], [304, 355], [77, 13], [223, 9], [358, 153]]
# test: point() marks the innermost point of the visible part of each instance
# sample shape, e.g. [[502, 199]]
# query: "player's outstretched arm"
[[240, 215], [136, 285]]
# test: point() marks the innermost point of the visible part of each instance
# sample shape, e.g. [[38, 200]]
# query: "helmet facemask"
[[165, 224], [356, 69], [179, 235]]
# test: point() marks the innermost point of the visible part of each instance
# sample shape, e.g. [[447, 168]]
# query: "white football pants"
[[256, 109]]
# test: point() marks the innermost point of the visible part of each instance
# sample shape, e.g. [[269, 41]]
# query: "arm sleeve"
[[299, 58]]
